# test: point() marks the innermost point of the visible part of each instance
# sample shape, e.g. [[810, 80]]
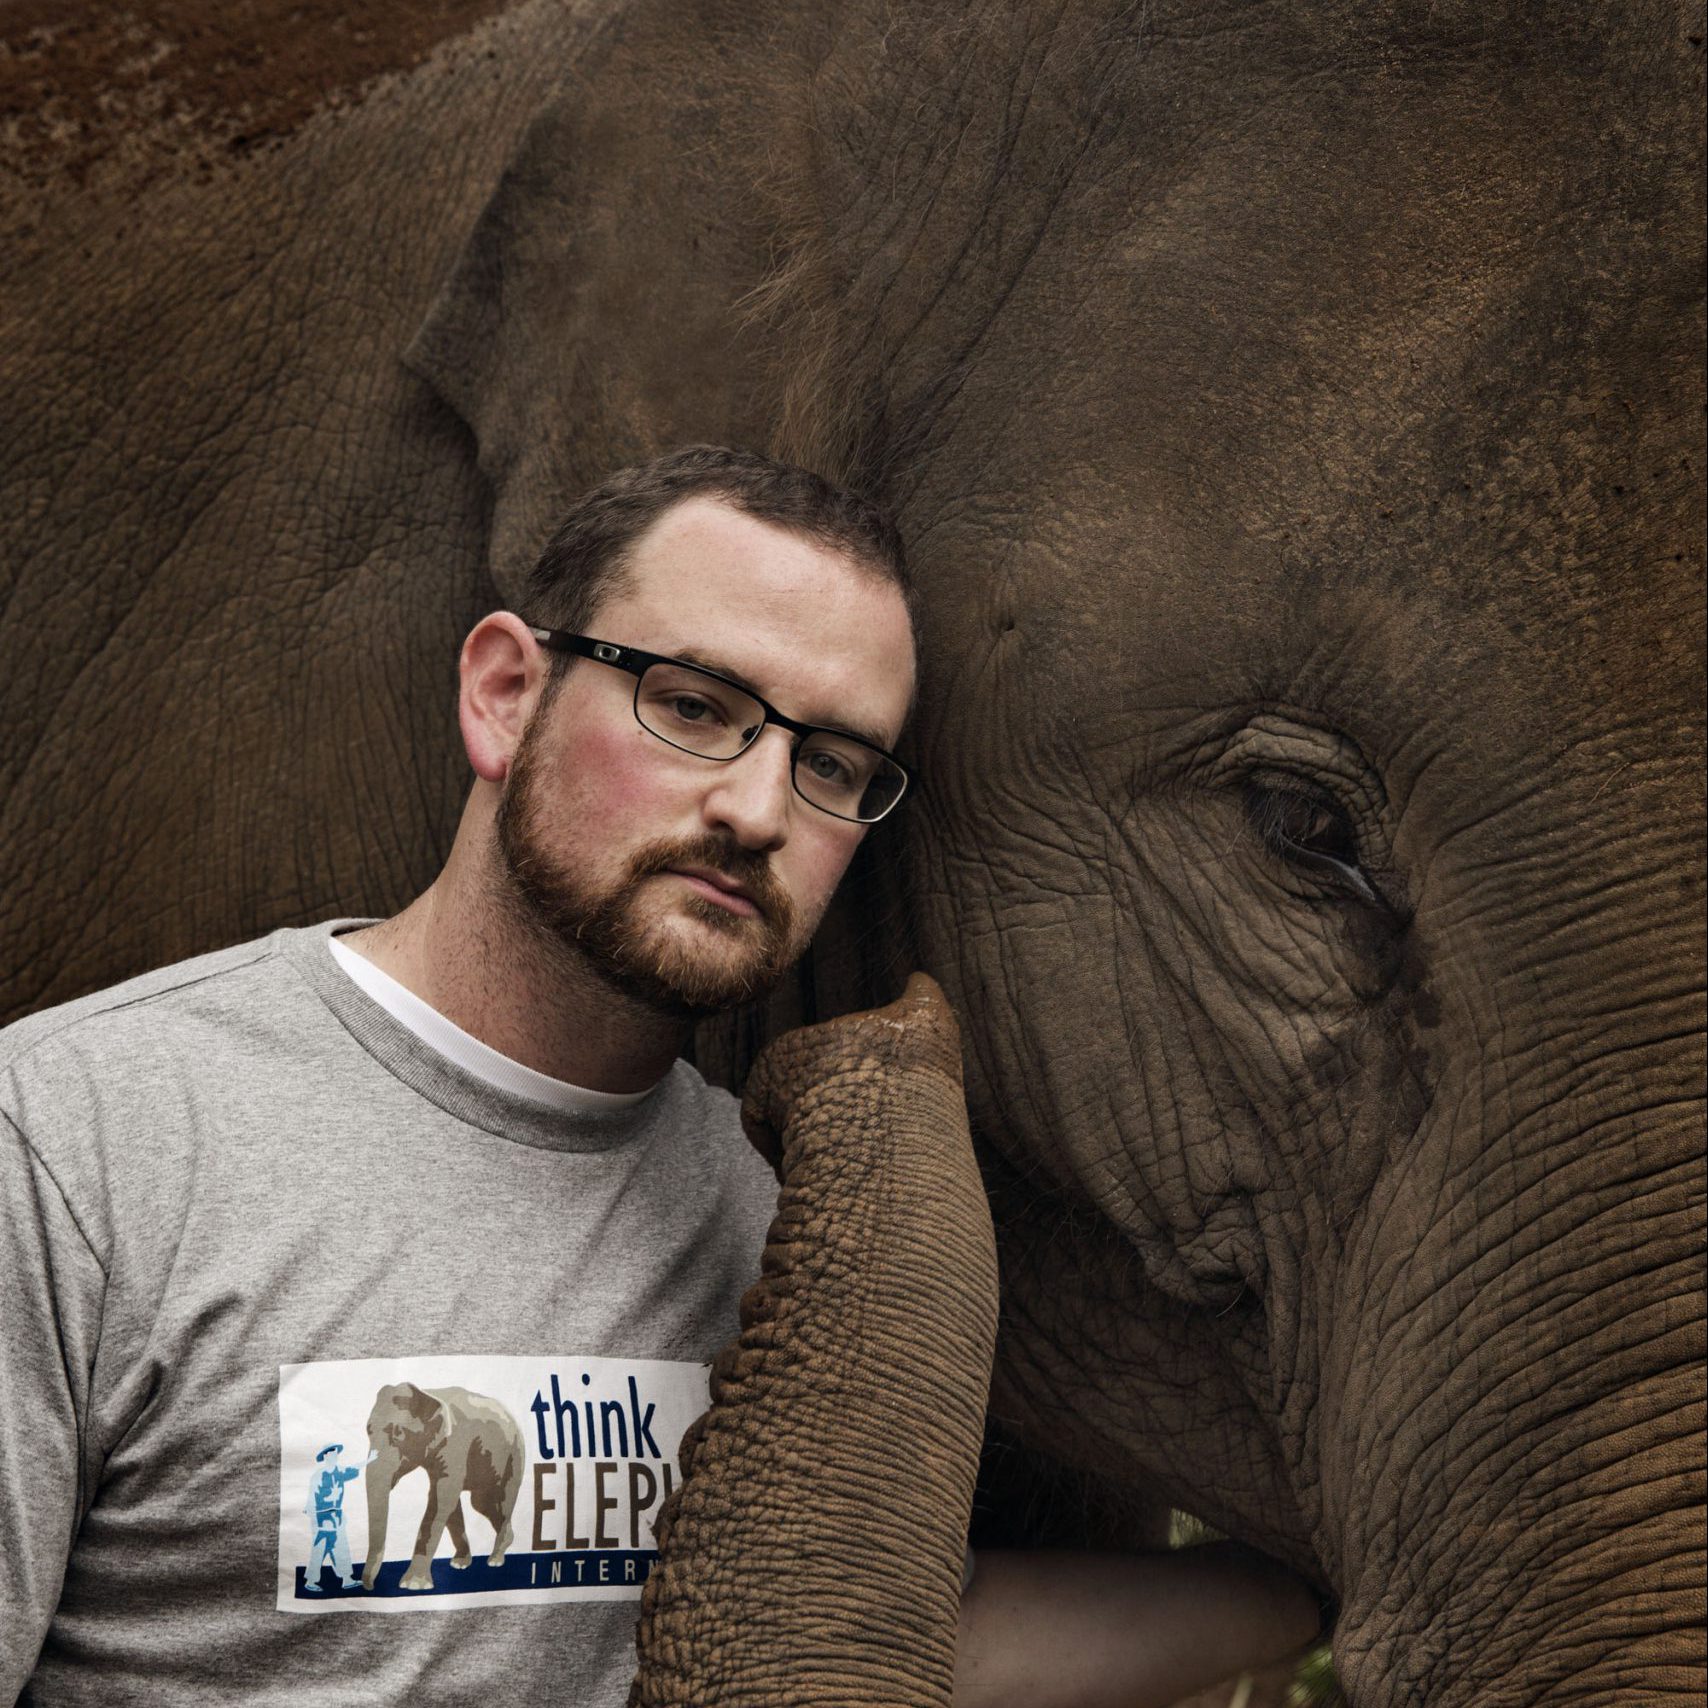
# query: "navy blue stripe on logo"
[[580, 1569]]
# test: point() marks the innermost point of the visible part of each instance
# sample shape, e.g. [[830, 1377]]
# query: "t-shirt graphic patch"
[[439, 1482]]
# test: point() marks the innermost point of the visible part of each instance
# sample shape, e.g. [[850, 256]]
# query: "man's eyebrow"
[[872, 738]]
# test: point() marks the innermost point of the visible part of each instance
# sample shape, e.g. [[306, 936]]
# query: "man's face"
[[692, 883]]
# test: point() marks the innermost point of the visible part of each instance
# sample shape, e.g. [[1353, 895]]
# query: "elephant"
[[467, 1444], [1293, 414]]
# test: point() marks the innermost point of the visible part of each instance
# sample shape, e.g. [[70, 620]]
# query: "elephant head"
[[1293, 416], [406, 1428], [1301, 485]]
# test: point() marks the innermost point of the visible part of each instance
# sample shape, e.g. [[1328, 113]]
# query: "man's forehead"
[[703, 533], [709, 554]]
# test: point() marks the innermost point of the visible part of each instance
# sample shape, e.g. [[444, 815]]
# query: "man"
[[546, 1218], [325, 1503]]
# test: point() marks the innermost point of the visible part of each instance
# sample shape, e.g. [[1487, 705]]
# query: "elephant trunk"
[[378, 1481], [814, 1550], [1529, 1530]]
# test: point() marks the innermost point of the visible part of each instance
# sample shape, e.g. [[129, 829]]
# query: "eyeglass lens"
[[700, 714]]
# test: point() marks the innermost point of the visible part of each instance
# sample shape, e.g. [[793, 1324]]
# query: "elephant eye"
[[1309, 830], [1293, 822]]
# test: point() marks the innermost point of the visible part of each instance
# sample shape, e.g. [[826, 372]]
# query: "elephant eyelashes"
[[1310, 830], [1296, 823]]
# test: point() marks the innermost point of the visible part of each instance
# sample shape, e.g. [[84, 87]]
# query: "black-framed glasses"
[[708, 715]]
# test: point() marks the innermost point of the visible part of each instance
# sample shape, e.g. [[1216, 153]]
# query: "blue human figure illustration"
[[325, 1502]]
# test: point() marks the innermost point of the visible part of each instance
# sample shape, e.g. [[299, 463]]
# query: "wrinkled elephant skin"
[[1294, 414]]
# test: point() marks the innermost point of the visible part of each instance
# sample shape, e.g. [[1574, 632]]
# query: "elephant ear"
[[647, 274], [420, 1405], [603, 308]]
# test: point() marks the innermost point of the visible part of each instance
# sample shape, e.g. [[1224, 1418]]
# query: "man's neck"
[[466, 954]]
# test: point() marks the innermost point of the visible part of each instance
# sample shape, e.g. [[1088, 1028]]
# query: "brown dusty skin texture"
[[80, 85], [813, 1552]]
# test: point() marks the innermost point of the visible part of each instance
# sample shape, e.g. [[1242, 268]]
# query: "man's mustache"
[[744, 866]]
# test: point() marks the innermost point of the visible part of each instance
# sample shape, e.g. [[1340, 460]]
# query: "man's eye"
[[828, 768], [691, 709]]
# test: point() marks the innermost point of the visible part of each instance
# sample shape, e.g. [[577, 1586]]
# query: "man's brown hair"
[[587, 557]]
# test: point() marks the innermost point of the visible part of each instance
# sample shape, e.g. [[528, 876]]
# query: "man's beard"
[[630, 947]]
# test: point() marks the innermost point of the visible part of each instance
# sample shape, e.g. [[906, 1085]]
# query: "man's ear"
[[502, 671]]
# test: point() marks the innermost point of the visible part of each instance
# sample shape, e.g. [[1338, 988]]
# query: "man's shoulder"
[[714, 1144], [111, 1027], [701, 1109], [688, 1083], [114, 1005]]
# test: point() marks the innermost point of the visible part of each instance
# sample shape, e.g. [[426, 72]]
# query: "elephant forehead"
[[1098, 604], [407, 1400], [1367, 342]]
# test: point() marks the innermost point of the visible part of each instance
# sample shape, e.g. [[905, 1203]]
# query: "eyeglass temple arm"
[[560, 640]]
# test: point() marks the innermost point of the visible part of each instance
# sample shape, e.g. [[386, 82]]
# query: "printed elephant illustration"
[[1293, 413], [466, 1444]]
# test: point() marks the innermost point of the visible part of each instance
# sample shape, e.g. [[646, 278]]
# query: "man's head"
[[690, 882]]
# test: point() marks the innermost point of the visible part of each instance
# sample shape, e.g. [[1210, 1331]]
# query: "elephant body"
[[1294, 417], [466, 1444]]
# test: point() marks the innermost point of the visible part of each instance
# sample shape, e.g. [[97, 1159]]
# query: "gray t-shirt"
[[277, 1276]]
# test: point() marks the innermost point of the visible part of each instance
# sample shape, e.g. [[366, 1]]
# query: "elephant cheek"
[[814, 1550]]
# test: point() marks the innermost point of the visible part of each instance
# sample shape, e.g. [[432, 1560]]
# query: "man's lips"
[[717, 887]]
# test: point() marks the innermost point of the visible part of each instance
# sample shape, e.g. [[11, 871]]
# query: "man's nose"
[[752, 796]]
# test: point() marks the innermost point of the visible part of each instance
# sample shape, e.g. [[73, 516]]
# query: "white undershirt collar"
[[467, 1051]]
